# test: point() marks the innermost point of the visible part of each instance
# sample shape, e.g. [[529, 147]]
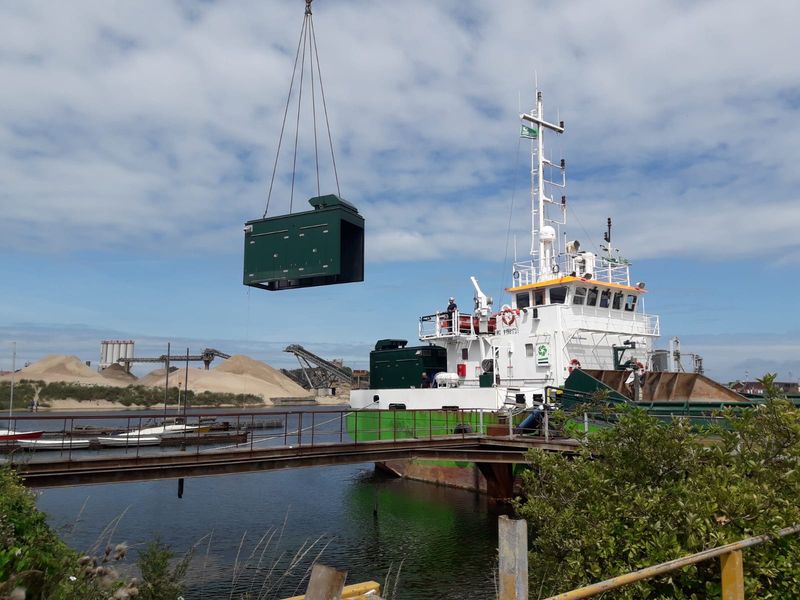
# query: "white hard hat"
[[452, 299]]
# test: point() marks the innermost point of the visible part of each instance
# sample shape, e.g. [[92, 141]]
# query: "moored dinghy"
[[54, 444]]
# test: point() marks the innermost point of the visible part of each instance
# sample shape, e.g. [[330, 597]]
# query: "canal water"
[[259, 533]]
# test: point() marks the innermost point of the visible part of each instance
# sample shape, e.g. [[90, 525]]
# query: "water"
[[446, 539]]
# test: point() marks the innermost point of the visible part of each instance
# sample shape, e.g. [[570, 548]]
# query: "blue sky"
[[137, 137]]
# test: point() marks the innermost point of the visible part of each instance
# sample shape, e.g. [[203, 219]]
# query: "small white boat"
[[126, 441], [54, 444], [165, 430], [150, 436], [6, 435]]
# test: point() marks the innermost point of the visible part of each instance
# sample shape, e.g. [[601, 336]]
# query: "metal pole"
[[185, 402], [166, 384], [585, 422], [13, 373], [299, 428], [546, 424]]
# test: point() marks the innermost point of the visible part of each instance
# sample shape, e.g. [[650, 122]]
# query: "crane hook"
[[308, 7]]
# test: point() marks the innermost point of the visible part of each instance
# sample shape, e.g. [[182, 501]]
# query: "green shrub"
[[33, 558], [24, 392], [160, 580], [643, 492]]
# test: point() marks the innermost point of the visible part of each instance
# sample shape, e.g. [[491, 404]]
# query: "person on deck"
[[425, 383], [452, 308]]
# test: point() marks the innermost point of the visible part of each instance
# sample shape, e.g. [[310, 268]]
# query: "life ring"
[[574, 364], [508, 317], [640, 366]]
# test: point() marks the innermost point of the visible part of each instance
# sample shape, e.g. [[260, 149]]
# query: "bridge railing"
[[82, 436]]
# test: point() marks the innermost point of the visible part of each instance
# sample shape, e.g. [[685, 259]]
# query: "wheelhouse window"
[[605, 298], [580, 295], [558, 294], [630, 303], [617, 302], [591, 298], [523, 300], [538, 297]]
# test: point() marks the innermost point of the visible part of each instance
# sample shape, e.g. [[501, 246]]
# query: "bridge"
[[472, 448], [300, 439]]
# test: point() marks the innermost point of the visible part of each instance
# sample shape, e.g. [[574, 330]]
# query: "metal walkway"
[[466, 447]]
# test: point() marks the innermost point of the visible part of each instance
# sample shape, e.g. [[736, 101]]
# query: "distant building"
[[755, 387]]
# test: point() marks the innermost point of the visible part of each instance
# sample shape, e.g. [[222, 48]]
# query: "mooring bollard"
[[513, 563]]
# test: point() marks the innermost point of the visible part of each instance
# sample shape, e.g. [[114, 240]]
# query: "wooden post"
[[732, 576], [513, 541], [325, 583]]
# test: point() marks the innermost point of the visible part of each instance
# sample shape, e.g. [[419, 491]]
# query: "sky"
[[136, 138]]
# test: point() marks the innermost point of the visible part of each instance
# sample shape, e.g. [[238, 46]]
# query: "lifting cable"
[[308, 44]]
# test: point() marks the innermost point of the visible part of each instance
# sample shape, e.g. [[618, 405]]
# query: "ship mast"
[[543, 256]]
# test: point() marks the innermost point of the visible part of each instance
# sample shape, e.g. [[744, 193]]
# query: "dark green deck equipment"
[[392, 365], [323, 246]]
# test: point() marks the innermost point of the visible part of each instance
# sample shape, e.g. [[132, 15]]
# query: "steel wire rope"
[[314, 115], [324, 104], [299, 105], [285, 114]]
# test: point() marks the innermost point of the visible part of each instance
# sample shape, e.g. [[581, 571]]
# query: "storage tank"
[[113, 350]]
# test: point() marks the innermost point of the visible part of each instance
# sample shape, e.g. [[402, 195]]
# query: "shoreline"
[[94, 405]]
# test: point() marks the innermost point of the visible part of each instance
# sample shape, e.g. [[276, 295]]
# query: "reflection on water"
[[445, 539]]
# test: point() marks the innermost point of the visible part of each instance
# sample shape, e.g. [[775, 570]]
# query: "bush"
[[138, 395], [642, 493], [33, 558], [24, 392], [160, 581]]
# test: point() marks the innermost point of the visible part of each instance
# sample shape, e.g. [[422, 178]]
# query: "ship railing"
[[446, 325], [606, 270]]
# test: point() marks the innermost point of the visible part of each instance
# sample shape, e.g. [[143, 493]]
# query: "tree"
[[644, 492]]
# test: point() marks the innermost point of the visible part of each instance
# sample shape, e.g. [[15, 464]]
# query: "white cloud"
[[154, 125]]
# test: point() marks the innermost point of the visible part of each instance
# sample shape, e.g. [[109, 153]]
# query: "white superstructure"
[[569, 307]]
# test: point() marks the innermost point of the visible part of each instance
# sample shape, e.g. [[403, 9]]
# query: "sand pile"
[[69, 369], [237, 375], [118, 373]]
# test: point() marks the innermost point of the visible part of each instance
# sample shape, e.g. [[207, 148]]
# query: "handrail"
[[734, 579]]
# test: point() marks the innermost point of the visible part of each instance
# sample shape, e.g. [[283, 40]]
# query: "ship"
[[574, 315]]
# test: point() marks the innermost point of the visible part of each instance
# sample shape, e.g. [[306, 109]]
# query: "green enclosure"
[[394, 366], [322, 246]]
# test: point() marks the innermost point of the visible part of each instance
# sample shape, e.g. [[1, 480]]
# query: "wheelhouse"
[[579, 292]]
